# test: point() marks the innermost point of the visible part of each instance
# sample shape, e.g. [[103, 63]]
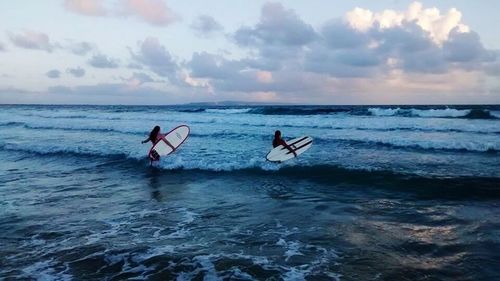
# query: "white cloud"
[[155, 12], [86, 7], [431, 20]]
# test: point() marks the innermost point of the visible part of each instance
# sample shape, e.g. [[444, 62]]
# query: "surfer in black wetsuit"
[[277, 141]]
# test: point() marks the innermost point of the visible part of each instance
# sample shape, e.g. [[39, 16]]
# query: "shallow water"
[[376, 198]]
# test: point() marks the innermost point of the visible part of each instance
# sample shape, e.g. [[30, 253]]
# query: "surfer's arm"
[[146, 140], [283, 143]]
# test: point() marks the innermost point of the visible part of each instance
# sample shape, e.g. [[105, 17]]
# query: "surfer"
[[277, 141], [154, 135]]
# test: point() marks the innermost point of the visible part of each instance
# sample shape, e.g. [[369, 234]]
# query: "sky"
[[301, 52]]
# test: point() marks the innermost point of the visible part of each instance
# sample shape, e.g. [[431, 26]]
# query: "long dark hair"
[[277, 136], [154, 133]]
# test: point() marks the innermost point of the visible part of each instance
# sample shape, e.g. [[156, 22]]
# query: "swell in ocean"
[[478, 185], [423, 112]]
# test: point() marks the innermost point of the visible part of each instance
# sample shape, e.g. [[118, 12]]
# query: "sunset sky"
[[305, 52]]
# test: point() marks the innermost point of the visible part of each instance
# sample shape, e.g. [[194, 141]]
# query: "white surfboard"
[[280, 153], [169, 143]]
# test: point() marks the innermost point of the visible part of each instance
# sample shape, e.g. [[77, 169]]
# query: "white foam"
[[413, 112], [156, 251], [292, 248], [294, 274], [448, 112], [495, 113], [383, 111], [229, 110], [44, 270]]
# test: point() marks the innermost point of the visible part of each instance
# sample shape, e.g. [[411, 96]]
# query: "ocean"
[[384, 193]]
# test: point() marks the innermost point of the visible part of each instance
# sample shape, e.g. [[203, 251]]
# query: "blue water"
[[385, 193]]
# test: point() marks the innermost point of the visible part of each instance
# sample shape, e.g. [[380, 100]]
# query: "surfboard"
[[280, 153], [169, 143]]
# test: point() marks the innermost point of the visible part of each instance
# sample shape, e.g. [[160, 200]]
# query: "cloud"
[[54, 73], [279, 38], [154, 12], [80, 48], [155, 56], [205, 65], [277, 26], [466, 47], [86, 7], [2, 47], [362, 53], [134, 65], [339, 35], [102, 61], [138, 79], [32, 40], [77, 72], [364, 56], [437, 25], [206, 26]]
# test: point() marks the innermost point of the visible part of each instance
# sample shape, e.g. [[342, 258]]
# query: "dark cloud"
[[81, 48], [425, 61], [32, 40], [399, 40], [155, 56], [277, 26], [206, 26], [139, 78], [102, 61], [279, 39], [493, 69], [205, 65], [54, 73], [143, 77], [466, 47], [339, 35], [235, 75], [77, 72], [134, 65], [360, 62]]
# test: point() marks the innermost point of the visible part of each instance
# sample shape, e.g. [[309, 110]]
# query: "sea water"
[[384, 193]]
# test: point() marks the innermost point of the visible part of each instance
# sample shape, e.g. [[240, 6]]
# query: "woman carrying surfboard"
[[154, 135], [277, 141], [164, 144]]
